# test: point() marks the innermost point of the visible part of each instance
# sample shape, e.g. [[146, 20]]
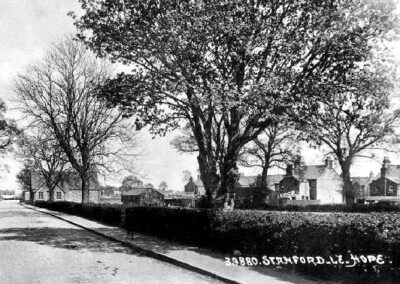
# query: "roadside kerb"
[[139, 249]]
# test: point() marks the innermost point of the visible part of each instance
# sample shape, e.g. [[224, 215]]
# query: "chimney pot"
[[328, 162]]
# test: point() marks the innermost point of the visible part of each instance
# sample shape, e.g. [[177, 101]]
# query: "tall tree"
[[59, 94], [48, 158], [227, 68], [275, 147], [356, 117]]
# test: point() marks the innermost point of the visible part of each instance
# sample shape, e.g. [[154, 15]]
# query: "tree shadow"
[[64, 238], [151, 243]]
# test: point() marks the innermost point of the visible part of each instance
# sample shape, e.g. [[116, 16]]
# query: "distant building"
[[68, 189], [180, 199], [311, 184], [385, 185], [194, 187], [142, 196], [361, 187], [245, 190]]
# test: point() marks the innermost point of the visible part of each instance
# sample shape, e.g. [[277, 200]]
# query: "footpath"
[[196, 259]]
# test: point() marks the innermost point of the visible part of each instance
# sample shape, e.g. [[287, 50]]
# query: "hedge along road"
[[37, 248]]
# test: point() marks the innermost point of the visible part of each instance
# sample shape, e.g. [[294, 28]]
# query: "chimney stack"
[[289, 170], [328, 162], [385, 165], [371, 175]]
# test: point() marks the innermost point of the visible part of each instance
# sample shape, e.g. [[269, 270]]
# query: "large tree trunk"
[[348, 190], [85, 187], [210, 177], [263, 181], [51, 194]]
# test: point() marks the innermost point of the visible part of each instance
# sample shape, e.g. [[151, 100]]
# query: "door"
[[313, 189]]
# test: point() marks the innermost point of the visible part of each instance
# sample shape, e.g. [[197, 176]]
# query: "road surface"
[[37, 248]]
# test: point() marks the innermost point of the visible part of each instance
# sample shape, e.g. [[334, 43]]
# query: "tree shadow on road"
[[64, 238]]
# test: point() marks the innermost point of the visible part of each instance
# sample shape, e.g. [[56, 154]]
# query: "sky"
[[27, 29]]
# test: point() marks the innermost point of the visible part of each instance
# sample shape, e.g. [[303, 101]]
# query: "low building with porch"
[[385, 185], [142, 196]]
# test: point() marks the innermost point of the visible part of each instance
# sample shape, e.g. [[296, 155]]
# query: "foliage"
[[163, 185], [257, 233], [23, 178], [130, 181], [179, 224], [276, 146], [58, 94], [109, 214], [9, 131], [228, 69], [48, 159], [358, 116]]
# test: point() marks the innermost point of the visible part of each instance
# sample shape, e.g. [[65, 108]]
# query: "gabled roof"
[[249, 181], [310, 171], [392, 173], [38, 181], [70, 180]]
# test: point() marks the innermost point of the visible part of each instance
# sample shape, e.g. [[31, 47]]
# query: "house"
[[311, 184], [68, 189], [386, 184], [142, 196], [40, 190], [194, 187]]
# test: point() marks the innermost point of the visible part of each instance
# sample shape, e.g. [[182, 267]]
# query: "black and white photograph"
[[199, 141]]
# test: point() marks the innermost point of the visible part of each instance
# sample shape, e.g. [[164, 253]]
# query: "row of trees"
[[228, 71], [69, 127]]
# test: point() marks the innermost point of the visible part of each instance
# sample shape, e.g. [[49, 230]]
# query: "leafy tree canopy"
[[229, 68]]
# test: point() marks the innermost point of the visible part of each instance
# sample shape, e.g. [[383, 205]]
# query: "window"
[[41, 195], [58, 195], [302, 197]]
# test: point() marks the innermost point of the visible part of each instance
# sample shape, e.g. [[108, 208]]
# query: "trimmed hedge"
[[178, 224], [257, 233], [352, 208], [106, 213]]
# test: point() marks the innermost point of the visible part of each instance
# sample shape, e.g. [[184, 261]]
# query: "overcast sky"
[[27, 28]]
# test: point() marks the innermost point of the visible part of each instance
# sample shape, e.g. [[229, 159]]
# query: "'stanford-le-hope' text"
[[350, 261]]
